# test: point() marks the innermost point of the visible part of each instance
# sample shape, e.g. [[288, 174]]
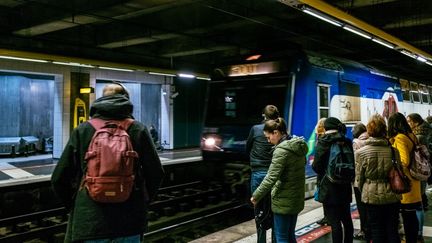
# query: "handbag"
[[264, 214], [399, 182]]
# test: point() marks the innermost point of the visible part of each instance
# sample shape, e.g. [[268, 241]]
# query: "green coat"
[[286, 177]]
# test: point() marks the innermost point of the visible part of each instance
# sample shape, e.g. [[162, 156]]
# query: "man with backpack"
[[108, 173], [334, 165]]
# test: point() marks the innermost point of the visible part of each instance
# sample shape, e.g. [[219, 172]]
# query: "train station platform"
[[307, 228], [37, 168]]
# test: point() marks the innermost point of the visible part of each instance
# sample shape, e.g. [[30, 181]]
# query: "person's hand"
[[253, 201]]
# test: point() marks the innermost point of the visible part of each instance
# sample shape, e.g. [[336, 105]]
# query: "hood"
[[296, 145], [330, 138], [422, 129], [377, 142], [112, 107], [363, 136]]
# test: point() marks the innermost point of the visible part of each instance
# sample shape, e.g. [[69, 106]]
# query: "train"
[[305, 87]]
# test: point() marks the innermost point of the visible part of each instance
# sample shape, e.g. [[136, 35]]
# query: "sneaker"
[[360, 235], [323, 221]]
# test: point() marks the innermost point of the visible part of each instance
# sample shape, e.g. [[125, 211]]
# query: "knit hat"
[[332, 123]]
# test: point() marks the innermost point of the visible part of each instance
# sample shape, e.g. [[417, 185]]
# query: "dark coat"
[[92, 220], [259, 149], [330, 193]]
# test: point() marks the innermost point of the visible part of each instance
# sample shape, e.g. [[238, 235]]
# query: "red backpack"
[[110, 158]]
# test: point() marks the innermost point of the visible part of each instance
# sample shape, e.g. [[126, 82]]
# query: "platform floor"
[[35, 168], [307, 230]]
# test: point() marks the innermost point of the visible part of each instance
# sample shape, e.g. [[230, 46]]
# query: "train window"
[[323, 100], [424, 93], [415, 92], [405, 90], [430, 94]]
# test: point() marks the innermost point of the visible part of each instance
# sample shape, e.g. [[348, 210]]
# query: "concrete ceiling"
[[198, 35]]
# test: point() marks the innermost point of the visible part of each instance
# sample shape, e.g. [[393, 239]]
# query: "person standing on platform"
[[91, 221], [380, 203], [401, 135], [336, 198], [260, 154], [423, 132], [285, 180], [360, 135]]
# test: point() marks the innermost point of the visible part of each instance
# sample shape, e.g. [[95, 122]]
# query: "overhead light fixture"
[[254, 57], [391, 46], [321, 16], [184, 75], [23, 59], [116, 69], [162, 74], [429, 63], [75, 64], [407, 53], [421, 59], [358, 32], [203, 78]]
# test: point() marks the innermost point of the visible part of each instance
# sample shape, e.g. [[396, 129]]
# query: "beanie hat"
[[332, 123]]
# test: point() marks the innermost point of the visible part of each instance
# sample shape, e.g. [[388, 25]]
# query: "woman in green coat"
[[285, 179]]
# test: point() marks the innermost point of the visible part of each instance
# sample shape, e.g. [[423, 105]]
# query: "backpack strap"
[[98, 123]]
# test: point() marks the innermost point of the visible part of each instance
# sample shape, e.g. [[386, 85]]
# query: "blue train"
[[305, 88]]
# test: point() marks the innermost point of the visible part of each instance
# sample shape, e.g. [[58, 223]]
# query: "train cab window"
[[323, 100], [405, 90], [415, 92], [424, 93]]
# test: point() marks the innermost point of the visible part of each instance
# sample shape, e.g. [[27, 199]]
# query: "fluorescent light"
[[391, 46], [322, 17], [75, 64], [421, 59], [203, 78], [429, 63], [357, 32], [162, 74], [23, 59], [184, 75], [407, 53], [117, 69]]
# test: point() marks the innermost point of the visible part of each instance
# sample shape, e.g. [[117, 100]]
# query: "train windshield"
[[241, 101]]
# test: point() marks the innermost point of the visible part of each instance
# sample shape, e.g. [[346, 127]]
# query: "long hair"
[[397, 123]]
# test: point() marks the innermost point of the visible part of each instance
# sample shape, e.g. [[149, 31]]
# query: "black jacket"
[[330, 193], [259, 149], [89, 219]]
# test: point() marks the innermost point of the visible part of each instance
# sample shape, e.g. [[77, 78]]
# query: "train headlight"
[[210, 142]]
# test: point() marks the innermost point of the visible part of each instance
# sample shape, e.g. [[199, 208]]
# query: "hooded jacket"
[[286, 177], [330, 193], [92, 220]]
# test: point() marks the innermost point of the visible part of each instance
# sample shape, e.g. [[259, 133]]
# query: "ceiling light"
[[254, 57], [322, 17], [162, 74], [75, 64], [429, 63], [23, 59], [421, 59], [358, 32], [203, 78], [386, 44], [184, 75], [117, 69], [407, 53]]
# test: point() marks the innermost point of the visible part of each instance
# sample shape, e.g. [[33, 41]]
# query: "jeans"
[[256, 179], [126, 239], [384, 222], [284, 227]]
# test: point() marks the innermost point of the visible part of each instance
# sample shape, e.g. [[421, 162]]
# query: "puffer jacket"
[[330, 193], [92, 220], [259, 149], [404, 145], [374, 163], [286, 177], [357, 144]]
